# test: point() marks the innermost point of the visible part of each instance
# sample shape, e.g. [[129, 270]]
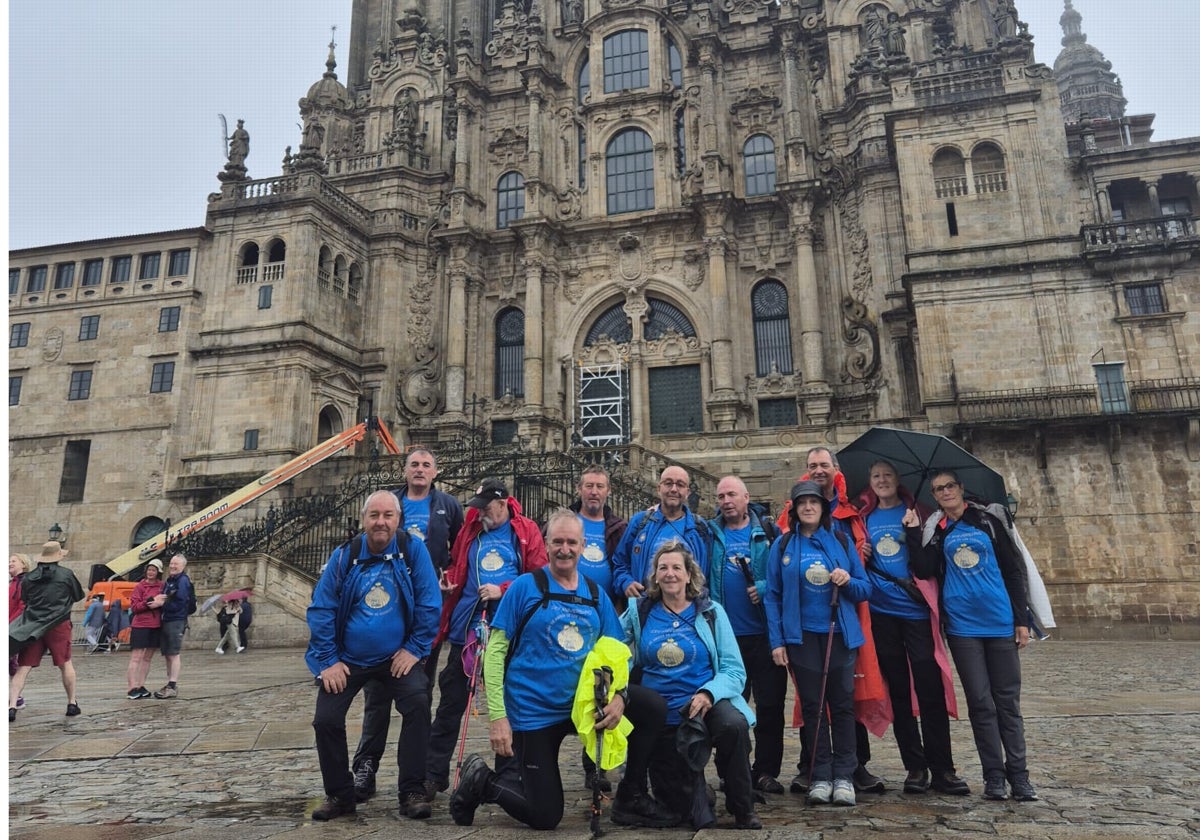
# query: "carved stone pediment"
[[509, 146]]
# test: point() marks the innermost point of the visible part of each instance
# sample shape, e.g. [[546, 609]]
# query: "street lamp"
[[1011, 501], [56, 534]]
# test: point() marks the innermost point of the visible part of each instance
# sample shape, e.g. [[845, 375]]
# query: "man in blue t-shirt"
[[373, 617], [669, 521]]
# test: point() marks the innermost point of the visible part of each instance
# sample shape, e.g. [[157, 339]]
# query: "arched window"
[[987, 166], [510, 199], [510, 353], [325, 267], [248, 263], [613, 323], [355, 283], [629, 168], [583, 81], [949, 173], [674, 63], [339, 275], [276, 251], [329, 423], [758, 158], [772, 329], [663, 316], [626, 61], [149, 527]]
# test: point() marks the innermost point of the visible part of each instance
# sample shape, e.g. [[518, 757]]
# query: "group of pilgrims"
[[650, 638]]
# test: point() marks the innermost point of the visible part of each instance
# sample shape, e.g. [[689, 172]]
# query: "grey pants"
[[990, 672]]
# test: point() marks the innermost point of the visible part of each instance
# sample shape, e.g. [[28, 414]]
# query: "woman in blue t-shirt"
[[908, 643], [685, 650], [983, 601]]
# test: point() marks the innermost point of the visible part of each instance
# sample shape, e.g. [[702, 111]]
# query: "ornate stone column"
[[456, 344], [534, 345]]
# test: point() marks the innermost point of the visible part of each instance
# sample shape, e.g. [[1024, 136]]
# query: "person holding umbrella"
[[981, 578], [227, 619], [908, 639], [814, 579]]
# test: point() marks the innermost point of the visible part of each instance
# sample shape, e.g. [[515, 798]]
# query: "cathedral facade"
[[721, 230]]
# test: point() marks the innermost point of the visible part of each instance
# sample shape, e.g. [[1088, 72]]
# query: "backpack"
[[359, 541], [191, 599], [543, 584]]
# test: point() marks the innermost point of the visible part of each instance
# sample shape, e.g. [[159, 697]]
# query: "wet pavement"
[[1113, 731]]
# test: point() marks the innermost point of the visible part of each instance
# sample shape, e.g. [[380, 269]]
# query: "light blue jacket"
[[783, 588], [729, 673], [760, 549]]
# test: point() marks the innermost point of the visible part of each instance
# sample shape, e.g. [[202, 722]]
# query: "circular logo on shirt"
[[817, 574], [787, 559], [965, 557], [887, 547], [593, 553], [415, 531], [670, 654], [492, 561], [377, 598], [570, 639]]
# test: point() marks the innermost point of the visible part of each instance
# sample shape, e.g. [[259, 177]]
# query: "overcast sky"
[[113, 125]]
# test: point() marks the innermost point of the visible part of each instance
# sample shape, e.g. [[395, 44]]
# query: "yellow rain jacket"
[[614, 654]]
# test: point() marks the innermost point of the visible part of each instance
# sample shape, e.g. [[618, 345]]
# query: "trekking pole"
[[479, 645], [740, 559], [603, 681], [833, 605]]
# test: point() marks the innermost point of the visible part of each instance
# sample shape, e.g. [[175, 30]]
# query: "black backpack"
[[543, 584], [359, 542]]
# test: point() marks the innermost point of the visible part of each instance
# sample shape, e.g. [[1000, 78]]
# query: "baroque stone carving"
[[859, 332], [508, 146], [694, 262], [419, 393], [757, 107]]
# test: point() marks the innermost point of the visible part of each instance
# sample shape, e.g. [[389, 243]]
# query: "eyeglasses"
[[942, 488], [666, 482]]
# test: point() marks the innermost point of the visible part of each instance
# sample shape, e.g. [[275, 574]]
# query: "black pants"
[[377, 714], [443, 734], [989, 670], [529, 787], [329, 723], [905, 651], [836, 747], [768, 683]]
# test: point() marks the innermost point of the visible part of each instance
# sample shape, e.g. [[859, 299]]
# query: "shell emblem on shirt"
[[570, 639], [817, 574], [965, 557], [670, 654], [377, 598], [492, 561], [887, 546], [593, 553]]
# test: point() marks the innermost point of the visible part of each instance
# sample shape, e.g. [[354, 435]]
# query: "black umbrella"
[[917, 457]]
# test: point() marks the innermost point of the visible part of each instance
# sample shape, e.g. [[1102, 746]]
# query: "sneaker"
[[20, 702], [73, 710], [332, 808], [219, 650], [820, 793], [1022, 791], [472, 786], [364, 781], [767, 784], [642, 810], [146, 693], [134, 694], [799, 783], [867, 782], [843, 792], [995, 789], [414, 806], [748, 822], [241, 648], [167, 692], [951, 784], [432, 788], [12, 714], [591, 778], [917, 781]]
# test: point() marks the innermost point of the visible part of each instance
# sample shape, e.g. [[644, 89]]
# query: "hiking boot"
[[748, 822], [951, 784], [995, 789], [843, 792], [1022, 791], [73, 710], [472, 786], [642, 810], [799, 783], [917, 781], [414, 806], [364, 780], [592, 777], [820, 793], [867, 782], [432, 788], [167, 692], [332, 808], [767, 783]]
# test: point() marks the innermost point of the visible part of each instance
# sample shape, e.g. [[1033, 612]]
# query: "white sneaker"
[[819, 793], [241, 648], [843, 792], [218, 650]]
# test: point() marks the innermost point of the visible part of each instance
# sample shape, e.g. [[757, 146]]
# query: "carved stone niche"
[[510, 146], [757, 108]]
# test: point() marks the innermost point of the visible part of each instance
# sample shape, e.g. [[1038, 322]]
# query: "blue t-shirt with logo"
[[541, 677], [974, 599], [491, 558], [816, 589], [416, 517], [674, 660], [889, 552], [745, 617], [593, 561], [375, 623]]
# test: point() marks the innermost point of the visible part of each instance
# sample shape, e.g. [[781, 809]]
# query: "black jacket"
[[445, 521]]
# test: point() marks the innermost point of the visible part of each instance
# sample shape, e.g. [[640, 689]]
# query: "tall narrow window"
[[510, 199], [772, 328], [629, 169], [676, 400], [14, 281], [758, 159], [179, 262], [14, 390], [89, 327], [92, 270], [264, 296], [584, 80], [510, 353], [162, 377], [37, 279], [674, 64], [168, 319], [582, 139], [18, 335], [1110, 379], [81, 385], [120, 269], [680, 143], [626, 61], [149, 267], [64, 275], [74, 471], [250, 439]]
